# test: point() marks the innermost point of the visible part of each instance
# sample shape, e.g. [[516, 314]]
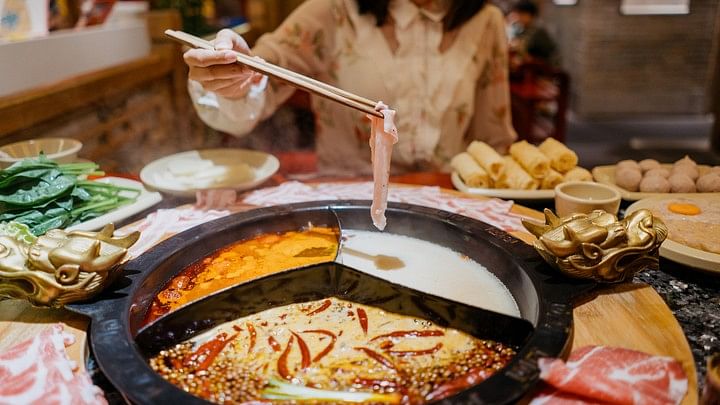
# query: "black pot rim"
[[119, 357]]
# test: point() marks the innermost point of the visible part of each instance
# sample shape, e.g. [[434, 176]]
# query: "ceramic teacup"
[[582, 197]]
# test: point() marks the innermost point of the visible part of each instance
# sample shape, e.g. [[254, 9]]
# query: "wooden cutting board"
[[628, 315]]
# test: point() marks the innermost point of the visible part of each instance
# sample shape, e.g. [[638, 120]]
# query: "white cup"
[[583, 197]]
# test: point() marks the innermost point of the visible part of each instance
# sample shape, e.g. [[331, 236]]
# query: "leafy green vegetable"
[[47, 187], [42, 194], [17, 231]]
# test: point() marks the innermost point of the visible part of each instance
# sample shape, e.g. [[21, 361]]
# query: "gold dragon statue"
[[598, 246], [61, 267]]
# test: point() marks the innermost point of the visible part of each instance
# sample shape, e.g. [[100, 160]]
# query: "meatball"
[[654, 184], [649, 164], [628, 178], [709, 183], [680, 183], [686, 161], [662, 172], [627, 164], [687, 170]]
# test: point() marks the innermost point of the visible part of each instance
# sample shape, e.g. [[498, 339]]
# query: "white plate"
[[507, 194], [145, 200], [208, 169], [678, 252]]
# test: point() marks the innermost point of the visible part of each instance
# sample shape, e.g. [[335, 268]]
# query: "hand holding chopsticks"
[[300, 81]]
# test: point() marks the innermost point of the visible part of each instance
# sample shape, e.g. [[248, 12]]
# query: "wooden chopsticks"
[[296, 79]]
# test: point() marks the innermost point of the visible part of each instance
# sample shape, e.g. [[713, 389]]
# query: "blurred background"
[[614, 79]]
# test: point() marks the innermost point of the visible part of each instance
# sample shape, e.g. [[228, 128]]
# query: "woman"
[[442, 64]]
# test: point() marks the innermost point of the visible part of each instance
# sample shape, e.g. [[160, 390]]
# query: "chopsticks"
[[296, 79]]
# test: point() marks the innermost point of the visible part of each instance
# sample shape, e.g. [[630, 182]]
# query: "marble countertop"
[[694, 298]]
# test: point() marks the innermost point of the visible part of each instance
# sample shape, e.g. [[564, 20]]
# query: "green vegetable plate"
[[43, 194], [144, 200]]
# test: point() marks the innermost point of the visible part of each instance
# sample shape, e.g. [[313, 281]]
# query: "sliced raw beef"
[[383, 135], [38, 371], [597, 374]]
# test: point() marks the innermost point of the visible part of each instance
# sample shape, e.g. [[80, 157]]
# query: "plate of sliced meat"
[[599, 374], [38, 371]]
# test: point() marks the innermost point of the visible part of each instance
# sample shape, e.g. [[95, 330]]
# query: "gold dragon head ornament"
[[597, 246], [61, 267]]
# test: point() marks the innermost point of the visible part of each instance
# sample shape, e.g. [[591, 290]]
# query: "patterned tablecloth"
[[162, 222]]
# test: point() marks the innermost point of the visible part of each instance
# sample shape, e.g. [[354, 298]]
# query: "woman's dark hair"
[[527, 7], [459, 12]]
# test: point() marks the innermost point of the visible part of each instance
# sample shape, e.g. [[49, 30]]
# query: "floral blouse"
[[444, 99]]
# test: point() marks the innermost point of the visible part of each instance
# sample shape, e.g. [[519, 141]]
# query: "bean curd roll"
[[561, 157], [471, 173], [578, 174], [515, 177], [487, 158], [531, 159], [552, 179]]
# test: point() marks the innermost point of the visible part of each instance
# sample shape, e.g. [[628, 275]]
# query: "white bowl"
[[61, 150]]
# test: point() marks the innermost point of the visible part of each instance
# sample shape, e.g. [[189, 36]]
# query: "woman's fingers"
[[205, 57], [218, 72], [230, 40], [222, 84]]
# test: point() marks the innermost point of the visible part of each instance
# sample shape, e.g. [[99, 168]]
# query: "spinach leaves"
[[44, 195]]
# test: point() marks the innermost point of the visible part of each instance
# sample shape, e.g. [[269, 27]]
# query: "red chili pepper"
[[377, 357], [209, 350], [282, 366], [253, 336], [304, 352], [407, 353], [325, 305], [176, 363], [362, 316], [409, 333], [473, 376], [328, 348], [274, 344]]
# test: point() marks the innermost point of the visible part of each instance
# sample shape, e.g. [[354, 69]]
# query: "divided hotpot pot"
[[121, 344]]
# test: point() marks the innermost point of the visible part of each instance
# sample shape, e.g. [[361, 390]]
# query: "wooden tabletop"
[[629, 315]]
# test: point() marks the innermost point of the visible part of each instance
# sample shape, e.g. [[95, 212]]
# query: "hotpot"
[[122, 344]]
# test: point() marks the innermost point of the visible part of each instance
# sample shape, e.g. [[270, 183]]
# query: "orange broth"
[[245, 260]]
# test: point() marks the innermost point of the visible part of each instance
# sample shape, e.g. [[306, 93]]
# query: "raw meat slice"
[[383, 135], [38, 371], [598, 374]]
